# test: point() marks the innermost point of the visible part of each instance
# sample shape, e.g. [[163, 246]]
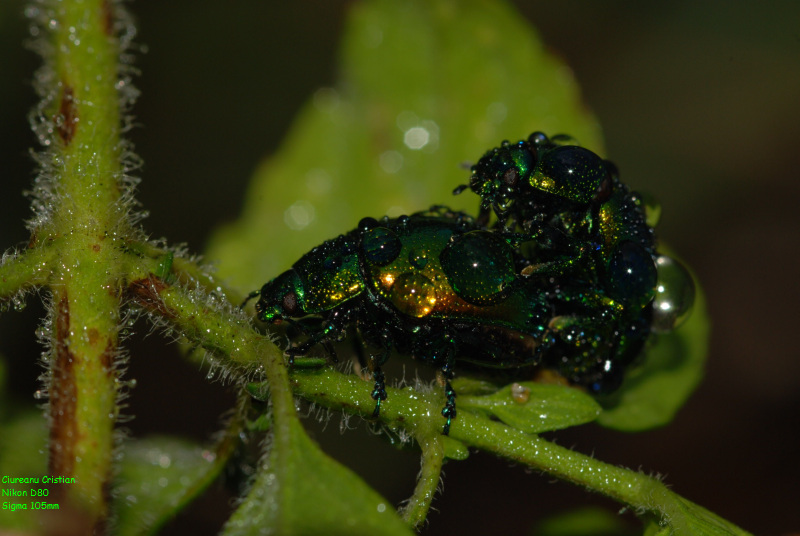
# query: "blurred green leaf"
[[536, 407], [305, 492], [590, 521], [454, 78], [3, 386], [157, 478], [671, 368], [23, 453], [691, 518]]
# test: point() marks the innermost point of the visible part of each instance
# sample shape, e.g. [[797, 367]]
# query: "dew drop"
[[299, 215], [391, 161], [675, 295], [418, 258], [416, 138], [413, 294], [519, 393], [19, 304]]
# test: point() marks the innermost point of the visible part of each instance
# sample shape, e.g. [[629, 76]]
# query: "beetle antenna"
[[249, 297]]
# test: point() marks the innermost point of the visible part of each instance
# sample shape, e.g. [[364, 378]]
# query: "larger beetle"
[[439, 286]]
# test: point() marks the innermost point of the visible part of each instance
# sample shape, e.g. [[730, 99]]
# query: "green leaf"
[[303, 491], [157, 478], [671, 368], [23, 444], [462, 75], [454, 449], [691, 518], [589, 521], [535, 407]]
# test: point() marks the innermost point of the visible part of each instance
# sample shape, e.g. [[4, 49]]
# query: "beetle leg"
[[331, 331], [379, 389], [443, 350], [460, 189], [449, 410]]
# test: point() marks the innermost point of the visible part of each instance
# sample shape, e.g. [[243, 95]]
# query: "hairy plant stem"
[[87, 214], [25, 270], [415, 412], [433, 453]]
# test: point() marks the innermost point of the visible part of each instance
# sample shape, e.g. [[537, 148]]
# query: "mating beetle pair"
[[566, 278]]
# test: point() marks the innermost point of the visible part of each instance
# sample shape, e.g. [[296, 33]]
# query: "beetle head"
[[281, 298], [501, 172]]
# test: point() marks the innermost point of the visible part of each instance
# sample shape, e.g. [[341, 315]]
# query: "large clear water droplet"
[[413, 294], [674, 295]]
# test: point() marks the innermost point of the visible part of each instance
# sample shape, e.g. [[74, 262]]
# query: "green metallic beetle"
[[432, 284], [440, 287], [584, 220]]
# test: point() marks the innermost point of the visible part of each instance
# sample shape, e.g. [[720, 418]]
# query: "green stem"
[[187, 271], [416, 511], [414, 411], [86, 215], [26, 269], [224, 334]]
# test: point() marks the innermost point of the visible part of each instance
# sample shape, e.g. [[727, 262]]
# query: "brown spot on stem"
[[107, 17], [93, 335], [67, 119], [96, 248], [63, 397], [107, 358], [146, 292]]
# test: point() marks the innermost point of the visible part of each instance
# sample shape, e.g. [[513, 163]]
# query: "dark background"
[[699, 104]]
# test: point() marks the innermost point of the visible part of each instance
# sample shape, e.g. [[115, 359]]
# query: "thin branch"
[[26, 269]]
